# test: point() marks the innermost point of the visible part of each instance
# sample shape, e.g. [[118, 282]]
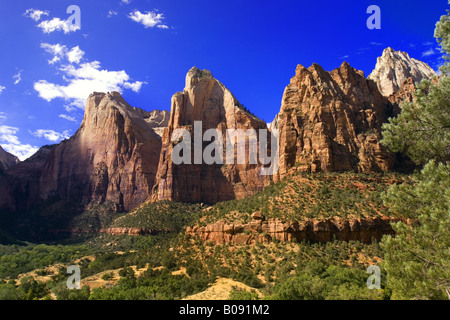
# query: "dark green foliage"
[[20, 259], [163, 216], [442, 35], [240, 294], [418, 258]]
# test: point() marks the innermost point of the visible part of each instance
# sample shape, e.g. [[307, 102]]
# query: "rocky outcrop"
[[129, 231], [394, 67], [157, 120], [7, 160], [208, 101], [331, 121], [19, 187], [405, 93], [113, 157], [260, 230]]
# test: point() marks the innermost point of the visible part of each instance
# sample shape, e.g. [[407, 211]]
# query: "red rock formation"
[[260, 230], [7, 160], [113, 157], [207, 100], [129, 231], [405, 93], [331, 121]]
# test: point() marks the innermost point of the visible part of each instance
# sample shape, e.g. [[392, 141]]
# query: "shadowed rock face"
[[7, 160], [207, 100], [394, 67], [331, 121], [112, 157], [19, 187]]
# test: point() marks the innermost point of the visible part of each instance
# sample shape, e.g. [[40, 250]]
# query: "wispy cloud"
[[35, 14], [82, 79], [112, 13], [11, 143], [67, 117], [51, 135], [1, 89], [148, 19], [125, 1], [428, 52], [58, 51], [17, 77]]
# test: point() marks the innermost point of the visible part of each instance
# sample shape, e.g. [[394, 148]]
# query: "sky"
[[144, 48]]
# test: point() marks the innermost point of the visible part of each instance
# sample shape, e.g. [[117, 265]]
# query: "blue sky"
[[144, 48]]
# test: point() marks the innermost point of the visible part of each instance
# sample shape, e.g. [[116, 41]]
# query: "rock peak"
[[394, 67], [7, 160]]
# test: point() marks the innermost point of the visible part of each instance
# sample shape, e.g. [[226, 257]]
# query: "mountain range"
[[121, 156]]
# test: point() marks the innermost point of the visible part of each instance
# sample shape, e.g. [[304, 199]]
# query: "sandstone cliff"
[[113, 157], [7, 160], [394, 67], [207, 100], [260, 230], [331, 121]]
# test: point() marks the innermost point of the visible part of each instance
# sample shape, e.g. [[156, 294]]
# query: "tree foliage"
[[418, 258], [422, 130]]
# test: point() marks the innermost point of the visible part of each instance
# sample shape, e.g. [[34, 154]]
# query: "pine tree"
[[417, 259]]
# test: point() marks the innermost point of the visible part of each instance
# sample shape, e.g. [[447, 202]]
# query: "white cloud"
[[70, 107], [148, 19], [60, 52], [136, 86], [35, 14], [2, 116], [82, 79], [56, 24], [8, 134], [126, 1], [112, 13], [10, 142], [75, 55], [69, 118], [429, 52], [17, 77], [1, 89], [51, 135]]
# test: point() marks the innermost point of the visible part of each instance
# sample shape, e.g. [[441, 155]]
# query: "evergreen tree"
[[417, 259]]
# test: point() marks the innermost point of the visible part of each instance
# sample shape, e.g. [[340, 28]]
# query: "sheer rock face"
[[7, 160], [113, 157], [207, 100], [263, 231], [331, 121], [394, 67]]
